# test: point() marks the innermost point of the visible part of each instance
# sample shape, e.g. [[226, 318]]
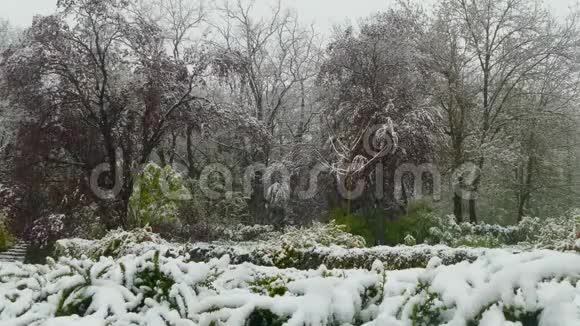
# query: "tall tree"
[[446, 57], [266, 63], [104, 73], [376, 110], [507, 40]]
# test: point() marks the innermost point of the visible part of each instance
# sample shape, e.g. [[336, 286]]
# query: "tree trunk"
[[458, 208], [472, 211], [472, 200], [474, 190], [257, 203], [526, 188], [521, 206]]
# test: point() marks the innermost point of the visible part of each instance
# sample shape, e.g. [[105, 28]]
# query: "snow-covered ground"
[[498, 288]]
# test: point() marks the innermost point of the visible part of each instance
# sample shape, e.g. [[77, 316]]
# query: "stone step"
[[15, 254]]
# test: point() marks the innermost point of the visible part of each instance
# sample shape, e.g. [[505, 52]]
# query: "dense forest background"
[[467, 108]]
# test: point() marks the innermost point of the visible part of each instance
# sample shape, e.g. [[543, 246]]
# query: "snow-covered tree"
[[506, 41], [376, 111], [99, 71]]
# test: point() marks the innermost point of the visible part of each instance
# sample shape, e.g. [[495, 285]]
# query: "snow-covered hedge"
[[401, 257], [307, 248], [316, 234], [116, 243], [241, 232], [326, 244], [550, 233], [296, 248], [539, 288]]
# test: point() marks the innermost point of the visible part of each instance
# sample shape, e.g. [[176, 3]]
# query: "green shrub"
[[551, 233], [203, 218], [154, 284], [519, 314], [271, 286], [6, 237], [416, 223], [115, 244], [318, 234], [355, 224], [367, 224], [422, 224], [429, 310], [479, 241], [230, 207], [261, 317], [410, 240], [266, 254], [513, 314], [74, 301], [155, 196]]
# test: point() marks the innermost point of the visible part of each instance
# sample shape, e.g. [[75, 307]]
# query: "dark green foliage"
[[527, 318], [512, 314], [288, 257], [416, 223], [305, 259], [261, 317], [367, 224], [477, 318], [112, 247], [6, 237], [373, 294], [428, 312], [272, 286], [77, 306], [153, 282], [355, 224]]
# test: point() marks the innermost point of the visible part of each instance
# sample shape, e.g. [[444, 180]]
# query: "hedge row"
[[287, 252], [539, 288], [395, 258]]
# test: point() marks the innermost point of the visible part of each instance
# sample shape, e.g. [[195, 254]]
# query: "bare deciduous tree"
[[506, 41]]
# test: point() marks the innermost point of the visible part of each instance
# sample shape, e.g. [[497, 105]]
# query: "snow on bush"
[[550, 233], [47, 229], [305, 248], [297, 248], [538, 288], [400, 257], [116, 243], [533, 288], [318, 234], [242, 232]]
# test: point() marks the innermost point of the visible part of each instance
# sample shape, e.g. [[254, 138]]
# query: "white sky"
[[324, 13]]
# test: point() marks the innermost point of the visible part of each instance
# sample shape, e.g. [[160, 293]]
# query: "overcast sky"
[[324, 13]]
